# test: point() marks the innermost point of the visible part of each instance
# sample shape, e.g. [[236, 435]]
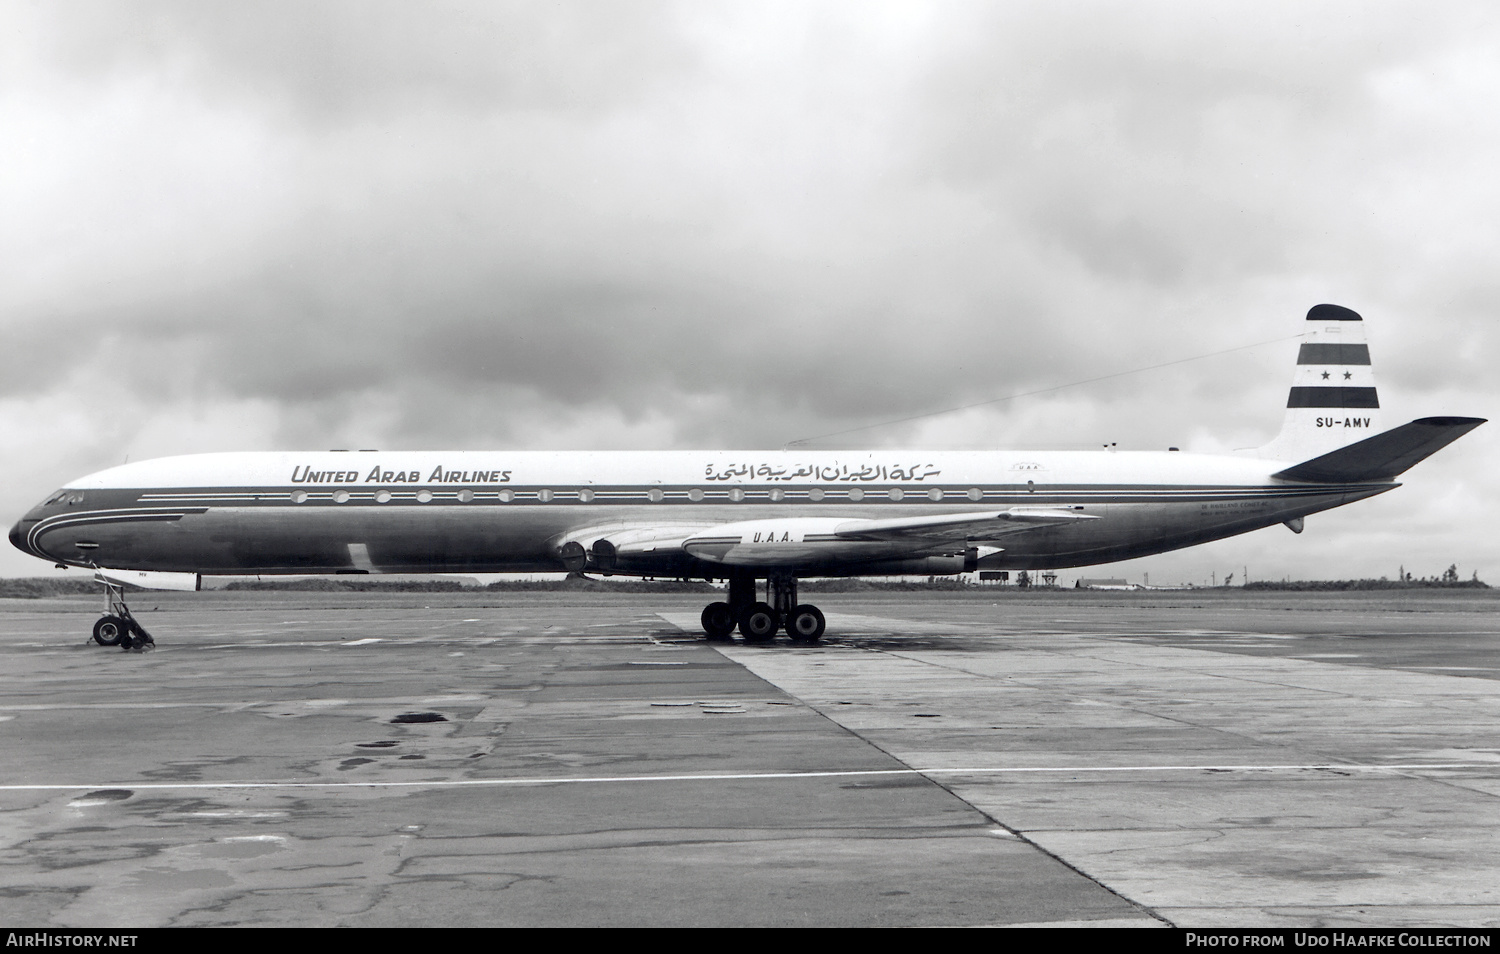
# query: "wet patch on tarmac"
[[103, 796]]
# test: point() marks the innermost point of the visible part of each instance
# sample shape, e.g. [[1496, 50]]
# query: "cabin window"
[[299, 496], [341, 496], [895, 493], [695, 495], [383, 496], [506, 496], [464, 496], [856, 493], [778, 494], [585, 495], [935, 493], [424, 496], [736, 494], [815, 494], [544, 495], [975, 493], [655, 495]]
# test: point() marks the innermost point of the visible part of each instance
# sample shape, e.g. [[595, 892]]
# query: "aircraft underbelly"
[[1131, 530], [417, 538]]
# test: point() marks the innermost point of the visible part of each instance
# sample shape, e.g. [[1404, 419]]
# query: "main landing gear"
[[759, 621], [117, 627]]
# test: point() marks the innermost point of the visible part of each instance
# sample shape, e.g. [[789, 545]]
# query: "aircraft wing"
[[824, 540], [971, 526], [793, 541]]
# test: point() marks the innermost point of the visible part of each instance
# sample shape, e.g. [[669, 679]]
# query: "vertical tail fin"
[[1333, 401]]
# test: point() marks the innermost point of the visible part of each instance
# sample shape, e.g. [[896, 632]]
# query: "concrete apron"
[[1215, 789]]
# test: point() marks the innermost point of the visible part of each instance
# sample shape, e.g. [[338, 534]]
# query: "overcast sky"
[[489, 225]]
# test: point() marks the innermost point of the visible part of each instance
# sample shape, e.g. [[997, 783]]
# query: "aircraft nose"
[[22, 530]]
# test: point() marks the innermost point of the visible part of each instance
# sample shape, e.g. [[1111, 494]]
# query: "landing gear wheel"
[[109, 630], [806, 624], [718, 620], [759, 623]]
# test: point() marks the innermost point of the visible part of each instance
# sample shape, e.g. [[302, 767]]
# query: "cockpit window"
[[68, 497]]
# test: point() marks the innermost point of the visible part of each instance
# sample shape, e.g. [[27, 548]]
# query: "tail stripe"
[[1332, 397], [1332, 313], [1314, 353]]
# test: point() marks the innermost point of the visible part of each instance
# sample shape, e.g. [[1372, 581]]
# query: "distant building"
[[1105, 584]]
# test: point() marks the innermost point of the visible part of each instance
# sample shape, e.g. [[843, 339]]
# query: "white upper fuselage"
[[919, 470]]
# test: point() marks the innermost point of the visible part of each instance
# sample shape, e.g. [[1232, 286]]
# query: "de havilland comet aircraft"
[[740, 516]]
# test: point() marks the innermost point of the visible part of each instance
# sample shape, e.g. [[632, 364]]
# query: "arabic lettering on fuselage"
[[830, 473]]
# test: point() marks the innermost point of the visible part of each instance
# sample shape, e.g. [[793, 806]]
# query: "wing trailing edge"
[[1385, 455], [1003, 521]]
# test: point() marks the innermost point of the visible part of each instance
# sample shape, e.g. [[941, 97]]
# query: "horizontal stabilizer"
[[1385, 455], [149, 579]]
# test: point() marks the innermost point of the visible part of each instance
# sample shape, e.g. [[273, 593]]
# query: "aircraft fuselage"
[[485, 512]]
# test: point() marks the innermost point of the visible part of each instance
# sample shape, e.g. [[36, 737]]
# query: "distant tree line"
[[1448, 581], [364, 584], [39, 587]]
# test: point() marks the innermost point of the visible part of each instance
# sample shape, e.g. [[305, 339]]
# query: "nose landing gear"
[[117, 627], [759, 621]]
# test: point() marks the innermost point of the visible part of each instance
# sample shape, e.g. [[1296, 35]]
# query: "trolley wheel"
[[109, 630]]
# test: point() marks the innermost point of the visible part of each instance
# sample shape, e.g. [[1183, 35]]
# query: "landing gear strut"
[[117, 627], [759, 621], [804, 622]]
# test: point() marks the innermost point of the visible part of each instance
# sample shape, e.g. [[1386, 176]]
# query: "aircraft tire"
[[109, 630], [718, 620], [759, 623], [806, 624]]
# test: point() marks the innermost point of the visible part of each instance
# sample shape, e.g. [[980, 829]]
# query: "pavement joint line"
[[753, 776]]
